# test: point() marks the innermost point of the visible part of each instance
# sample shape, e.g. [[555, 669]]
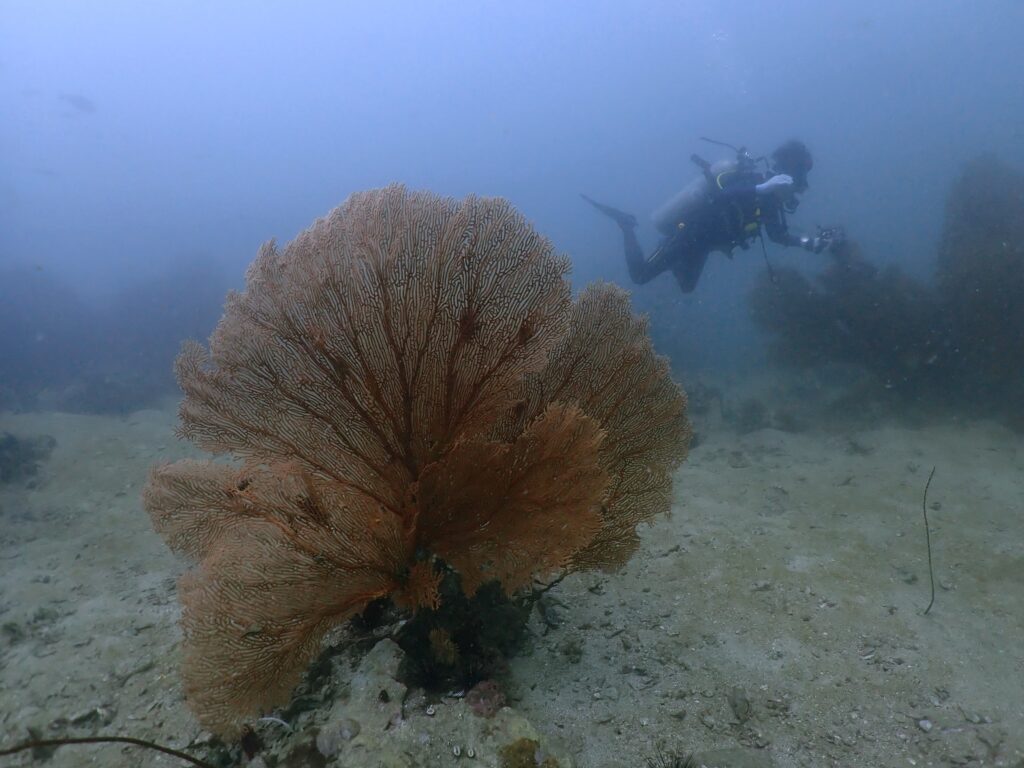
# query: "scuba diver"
[[722, 209]]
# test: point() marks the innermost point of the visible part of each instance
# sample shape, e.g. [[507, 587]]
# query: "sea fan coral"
[[407, 390]]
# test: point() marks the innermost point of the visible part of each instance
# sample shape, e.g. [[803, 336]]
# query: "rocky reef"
[[20, 457], [958, 342], [377, 721]]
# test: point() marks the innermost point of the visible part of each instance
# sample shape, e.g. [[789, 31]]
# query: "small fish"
[[79, 102]]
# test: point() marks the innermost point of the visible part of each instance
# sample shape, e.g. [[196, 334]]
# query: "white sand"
[[793, 568]]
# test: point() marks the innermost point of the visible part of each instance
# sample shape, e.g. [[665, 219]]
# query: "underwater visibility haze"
[[512, 384]]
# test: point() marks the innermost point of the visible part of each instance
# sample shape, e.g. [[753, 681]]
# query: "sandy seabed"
[[778, 609]]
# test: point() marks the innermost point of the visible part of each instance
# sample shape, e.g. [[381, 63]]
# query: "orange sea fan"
[[406, 387], [605, 364], [510, 511]]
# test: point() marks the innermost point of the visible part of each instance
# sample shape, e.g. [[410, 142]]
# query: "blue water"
[[147, 150]]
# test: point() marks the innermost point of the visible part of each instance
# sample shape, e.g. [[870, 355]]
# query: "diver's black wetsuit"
[[731, 217]]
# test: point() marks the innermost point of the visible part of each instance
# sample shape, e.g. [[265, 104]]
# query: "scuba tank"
[[691, 199], [695, 196]]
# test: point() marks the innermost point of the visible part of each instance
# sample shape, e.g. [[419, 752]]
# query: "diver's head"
[[794, 159]]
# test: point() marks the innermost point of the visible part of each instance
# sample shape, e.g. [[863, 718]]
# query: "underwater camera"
[[835, 236]]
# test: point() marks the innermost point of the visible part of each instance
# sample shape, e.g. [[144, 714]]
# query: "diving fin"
[[623, 219]]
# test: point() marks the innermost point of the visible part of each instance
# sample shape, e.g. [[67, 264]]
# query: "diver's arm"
[[775, 226], [780, 185], [770, 194]]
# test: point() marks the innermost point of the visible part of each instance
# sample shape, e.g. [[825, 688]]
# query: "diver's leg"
[[623, 219], [688, 269], [641, 269], [644, 269]]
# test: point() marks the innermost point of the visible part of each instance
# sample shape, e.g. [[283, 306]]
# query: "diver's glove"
[[779, 184], [815, 244], [831, 239]]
